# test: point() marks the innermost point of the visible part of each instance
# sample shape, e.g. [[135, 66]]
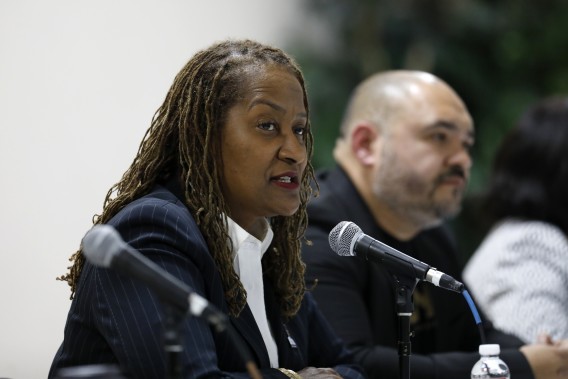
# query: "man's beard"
[[412, 197]]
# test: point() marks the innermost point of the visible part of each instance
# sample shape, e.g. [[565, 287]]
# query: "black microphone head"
[[341, 237], [101, 244]]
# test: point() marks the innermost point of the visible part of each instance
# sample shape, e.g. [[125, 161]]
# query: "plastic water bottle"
[[490, 365]]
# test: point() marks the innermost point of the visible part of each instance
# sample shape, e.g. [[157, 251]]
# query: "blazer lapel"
[[289, 355], [245, 326]]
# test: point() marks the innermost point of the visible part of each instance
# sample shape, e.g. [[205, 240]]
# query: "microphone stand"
[[404, 287], [172, 341], [174, 348]]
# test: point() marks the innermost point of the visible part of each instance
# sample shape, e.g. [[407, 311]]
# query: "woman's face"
[[263, 148]]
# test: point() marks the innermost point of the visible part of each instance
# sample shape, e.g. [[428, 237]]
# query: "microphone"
[[347, 239], [103, 247]]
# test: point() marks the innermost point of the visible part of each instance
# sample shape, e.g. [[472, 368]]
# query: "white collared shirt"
[[248, 252]]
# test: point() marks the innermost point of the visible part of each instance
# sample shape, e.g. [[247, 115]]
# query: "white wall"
[[79, 83]]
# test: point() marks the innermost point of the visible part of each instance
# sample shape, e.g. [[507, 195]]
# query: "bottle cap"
[[489, 349]]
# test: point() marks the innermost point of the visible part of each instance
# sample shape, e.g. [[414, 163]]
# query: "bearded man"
[[403, 163]]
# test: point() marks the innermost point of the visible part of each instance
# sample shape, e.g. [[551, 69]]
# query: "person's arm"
[[131, 317], [326, 349], [532, 278]]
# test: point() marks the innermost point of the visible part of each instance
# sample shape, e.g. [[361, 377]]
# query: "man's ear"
[[363, 143]]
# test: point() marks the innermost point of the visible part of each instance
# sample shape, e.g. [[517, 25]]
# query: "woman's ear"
[[363, 143]]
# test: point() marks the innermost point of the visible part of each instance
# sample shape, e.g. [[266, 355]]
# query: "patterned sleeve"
[[520, 279]]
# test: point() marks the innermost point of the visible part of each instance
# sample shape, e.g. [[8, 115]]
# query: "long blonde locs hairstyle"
[[184, 140]]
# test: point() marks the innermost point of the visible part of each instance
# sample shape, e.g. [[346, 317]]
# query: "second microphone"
[[347, 239]]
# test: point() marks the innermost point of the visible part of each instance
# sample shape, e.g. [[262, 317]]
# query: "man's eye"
[[268, 126], [439, 137]]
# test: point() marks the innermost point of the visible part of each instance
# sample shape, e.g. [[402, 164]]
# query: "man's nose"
[[462, 158]]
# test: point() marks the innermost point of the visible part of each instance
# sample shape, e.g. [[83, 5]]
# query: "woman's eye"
[[268, 126], [300, 130]]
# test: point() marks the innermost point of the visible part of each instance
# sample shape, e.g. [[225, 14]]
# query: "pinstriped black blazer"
[[114, 319]]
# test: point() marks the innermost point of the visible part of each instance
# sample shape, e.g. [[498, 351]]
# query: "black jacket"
[[116, 320], [358, 297]]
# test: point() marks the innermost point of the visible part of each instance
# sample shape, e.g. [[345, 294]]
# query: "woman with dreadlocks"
[[216, 196]]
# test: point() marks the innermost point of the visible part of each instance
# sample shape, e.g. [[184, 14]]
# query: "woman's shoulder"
[[160, 202], [529, 229], [160, 196], [160, 212], [529, 235]]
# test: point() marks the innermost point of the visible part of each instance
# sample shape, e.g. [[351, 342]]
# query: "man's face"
[[424, 158]]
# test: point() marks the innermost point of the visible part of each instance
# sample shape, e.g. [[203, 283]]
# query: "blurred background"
[[80, 81], [500, 56]]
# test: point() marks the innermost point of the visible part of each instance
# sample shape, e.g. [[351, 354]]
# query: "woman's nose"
[[293, 149]]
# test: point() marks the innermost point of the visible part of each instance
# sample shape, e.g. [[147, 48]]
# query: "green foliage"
[[500, 56]]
